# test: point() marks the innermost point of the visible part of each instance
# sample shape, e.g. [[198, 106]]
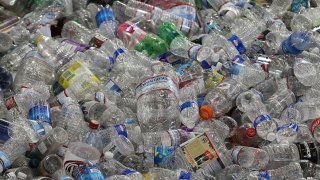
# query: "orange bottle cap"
[[206, 112]]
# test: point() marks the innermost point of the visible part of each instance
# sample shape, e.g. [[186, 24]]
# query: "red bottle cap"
[[251, 132], [93, 124]]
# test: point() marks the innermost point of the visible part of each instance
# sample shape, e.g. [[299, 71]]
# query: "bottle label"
[[293, 126], [235, 40], [168, 57], [235, 153], [161, 82], [185, 175], [164, 156], [61, 97], [113, 60], [236, 65], [308, 151], [263, 175], [77, 69], [97, 40], [113, 87], [85, 172], [187, 104], [193, 52], [121, 129], [136, 34], [200, 151], [37, 127], [104, 15], [5, 160], [4, 131], [314, 125], [100, 97], [260, 119], [128, 171], [41, 112]]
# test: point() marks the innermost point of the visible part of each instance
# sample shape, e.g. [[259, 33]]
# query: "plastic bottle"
[[189, 110], [306, 20], [181, 46], [93, 138], [158, 17], [72, 120], [221, 99], [112, 167], [278, 7], [251, 102], [296, 43], [248, 157], [106, 21], [246, 135], [167, 138]]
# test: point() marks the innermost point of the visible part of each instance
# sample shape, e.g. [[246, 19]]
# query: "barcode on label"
[[68, 75]]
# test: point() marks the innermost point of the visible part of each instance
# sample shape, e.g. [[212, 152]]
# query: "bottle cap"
[[93, 124], [251, 132], [206, 112]]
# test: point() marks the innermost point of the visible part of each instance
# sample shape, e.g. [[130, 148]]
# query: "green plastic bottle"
[[153, 44], [168, 31]]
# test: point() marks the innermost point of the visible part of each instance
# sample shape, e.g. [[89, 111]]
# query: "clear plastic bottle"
[[189, 110], [296, 43], [34, 68], [248, 157], [158, 16], [182, 47], [72, 120], [112, 167], [251, 102], [167, 138], [305, 71], [106, 22], [246, 135], [221, 99], [93, 138], [279, 101], [11, 150], [279, 7], [306, 20]]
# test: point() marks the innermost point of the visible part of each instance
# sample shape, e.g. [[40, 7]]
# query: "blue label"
[[121, 129], [200, 101], [181, 70], [205, 65], [87, 173], [113, 60], [37, 127], [131, 121], [168, 57], [293, 126], [4, 131], [263, 175], [40, 113], [297, 4], [128, 171], [185, 175], [5, 160], [237, 65], [164, 156], [296, 43], [104, 15], [112, 86], [187, 104], [261, 119], [235, 40]]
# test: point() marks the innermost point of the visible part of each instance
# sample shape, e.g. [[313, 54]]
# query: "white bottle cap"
[[108, 155]]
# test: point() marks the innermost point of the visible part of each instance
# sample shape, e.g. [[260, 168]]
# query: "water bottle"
[[278, 7], [248, 157], [32, 69], [296, 43], [119, 148], [72, 120], [305, 71], [112, 167], [251, 102], [279, 101], [306, 20], [50, 164], [189, 110], [87, 171], [106, 22], [167, 138], [93, 138], [182, 47], [10, 151], [221, 100], [157, 103]]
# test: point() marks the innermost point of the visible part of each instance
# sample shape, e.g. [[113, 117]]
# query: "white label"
[[42, 148], [161, 82]]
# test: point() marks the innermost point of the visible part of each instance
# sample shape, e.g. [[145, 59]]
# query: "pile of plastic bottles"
[[160, 90]]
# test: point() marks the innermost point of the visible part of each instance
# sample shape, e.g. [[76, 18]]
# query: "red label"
[[315, 123], [10, 103]]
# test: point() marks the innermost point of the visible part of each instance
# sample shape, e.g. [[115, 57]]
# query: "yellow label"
[[78, 69], [199, 151]]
